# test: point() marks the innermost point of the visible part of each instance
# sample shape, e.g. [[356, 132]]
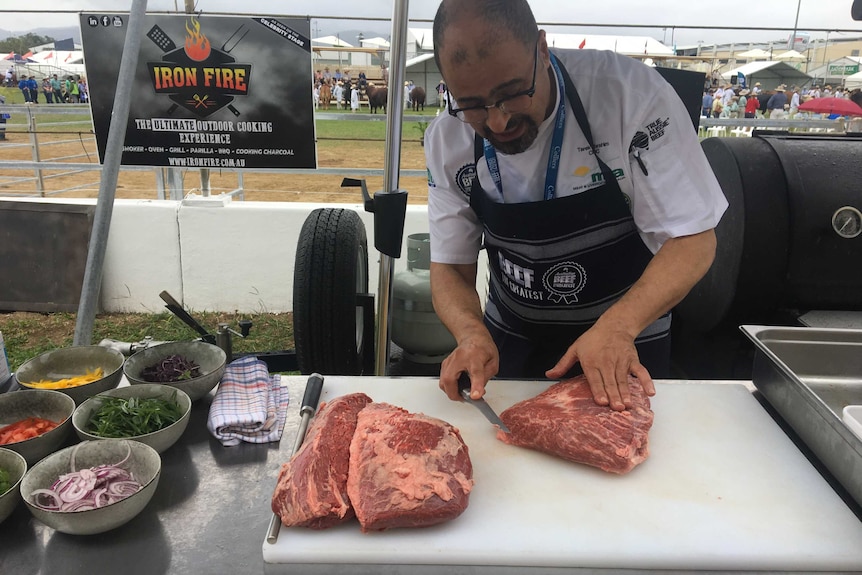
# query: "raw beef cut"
[[406, 469], [565, 421], [312, 487]]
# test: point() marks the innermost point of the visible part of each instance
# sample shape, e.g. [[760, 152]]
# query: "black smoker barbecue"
[[790, 243]]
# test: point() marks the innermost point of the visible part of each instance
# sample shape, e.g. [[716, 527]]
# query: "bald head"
[[503, 20]]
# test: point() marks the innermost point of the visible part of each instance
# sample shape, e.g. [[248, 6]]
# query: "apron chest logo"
[[518, 279], [564, 281]]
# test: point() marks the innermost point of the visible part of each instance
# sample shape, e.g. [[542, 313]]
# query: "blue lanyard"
[[556, 145]]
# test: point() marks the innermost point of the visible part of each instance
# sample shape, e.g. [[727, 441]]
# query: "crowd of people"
[[343, 89], [346, 91], [729, 101], [54, 90]]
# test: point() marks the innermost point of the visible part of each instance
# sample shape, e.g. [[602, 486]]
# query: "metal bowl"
[[16, 467], [143, 463], [210, 358], [159, 440], [74, 361], [45, 403]]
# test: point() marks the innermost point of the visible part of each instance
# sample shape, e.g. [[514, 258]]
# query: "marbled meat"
[[312, 487], [406, 469], [565, 421]]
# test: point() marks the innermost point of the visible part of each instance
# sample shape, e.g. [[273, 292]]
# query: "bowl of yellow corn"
[[80, 371]]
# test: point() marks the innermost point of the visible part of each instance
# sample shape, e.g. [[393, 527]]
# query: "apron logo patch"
[[564, 281], [464, 178], [518, 279]]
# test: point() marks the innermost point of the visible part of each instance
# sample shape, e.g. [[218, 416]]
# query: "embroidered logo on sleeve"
[[464, 178], [657, 128], [431, 183], [640, 141]]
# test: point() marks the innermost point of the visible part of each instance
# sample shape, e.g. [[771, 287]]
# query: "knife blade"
[[313, 387], [481, 404]]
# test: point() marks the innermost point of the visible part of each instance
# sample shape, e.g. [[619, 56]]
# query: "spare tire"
[[331, 270]]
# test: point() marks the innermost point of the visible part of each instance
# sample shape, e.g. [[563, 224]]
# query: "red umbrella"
[[840, 106]]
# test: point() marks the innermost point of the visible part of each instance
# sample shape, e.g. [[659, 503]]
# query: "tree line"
[[22, 44]]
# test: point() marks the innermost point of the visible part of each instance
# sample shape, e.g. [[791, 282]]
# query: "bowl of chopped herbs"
[[12, 470], [150, 413], [195, 367]]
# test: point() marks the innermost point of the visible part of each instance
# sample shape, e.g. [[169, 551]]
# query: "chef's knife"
[[309, 406], [481, 404]]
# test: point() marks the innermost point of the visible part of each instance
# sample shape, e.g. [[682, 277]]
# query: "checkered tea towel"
[[250, 404]]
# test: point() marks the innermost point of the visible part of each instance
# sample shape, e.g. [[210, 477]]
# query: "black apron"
[[556, 265]]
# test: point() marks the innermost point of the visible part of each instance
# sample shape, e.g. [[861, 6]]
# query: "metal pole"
[[826, 49], [205, 173], [160, 183], [108, 185], [395, 109], [795, 24], [34, 142]]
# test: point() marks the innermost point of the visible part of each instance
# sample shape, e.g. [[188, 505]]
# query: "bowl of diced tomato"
[[80, 372], [35, 422]]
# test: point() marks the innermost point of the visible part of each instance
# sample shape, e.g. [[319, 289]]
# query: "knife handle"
[[312, 394], [464, 385]]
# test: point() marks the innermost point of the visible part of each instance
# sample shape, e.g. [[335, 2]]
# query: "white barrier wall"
[[233, 257]]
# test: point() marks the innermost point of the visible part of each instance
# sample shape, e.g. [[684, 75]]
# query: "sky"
[[667, 15]]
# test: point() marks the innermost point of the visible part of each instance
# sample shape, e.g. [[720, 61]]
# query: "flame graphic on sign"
[[197, 44]]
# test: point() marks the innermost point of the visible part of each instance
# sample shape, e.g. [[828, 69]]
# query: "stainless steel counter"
[[209, 515]]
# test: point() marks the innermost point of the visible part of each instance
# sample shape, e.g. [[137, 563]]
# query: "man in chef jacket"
[[579, 173]]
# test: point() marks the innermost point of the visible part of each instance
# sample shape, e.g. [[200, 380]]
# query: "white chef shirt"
[[623, 98]]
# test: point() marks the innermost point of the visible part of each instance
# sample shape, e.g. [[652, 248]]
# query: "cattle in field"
[[377, 97], [325, 95], [417, 98]]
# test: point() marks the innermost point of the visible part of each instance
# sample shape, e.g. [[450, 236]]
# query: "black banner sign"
[[209, 91]]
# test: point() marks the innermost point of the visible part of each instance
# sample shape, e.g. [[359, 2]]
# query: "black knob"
[[244, 326]]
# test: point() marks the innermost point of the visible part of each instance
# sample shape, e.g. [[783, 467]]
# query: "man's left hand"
[[607, 356]]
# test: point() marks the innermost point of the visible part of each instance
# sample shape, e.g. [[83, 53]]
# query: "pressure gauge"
[[847, 222]]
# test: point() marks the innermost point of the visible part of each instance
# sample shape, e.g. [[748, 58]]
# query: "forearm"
[[456, 301], [679, 264]]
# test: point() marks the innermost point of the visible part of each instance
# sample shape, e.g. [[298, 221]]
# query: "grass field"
[[326, 129], [26, 335], [340, 144]]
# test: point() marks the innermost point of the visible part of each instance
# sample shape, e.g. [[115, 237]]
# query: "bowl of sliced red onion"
[[92, 487], [195, 367]]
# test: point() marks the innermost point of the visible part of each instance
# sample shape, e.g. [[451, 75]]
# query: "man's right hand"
[[477, 355]]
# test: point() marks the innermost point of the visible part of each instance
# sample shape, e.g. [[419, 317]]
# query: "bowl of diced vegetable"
[[80, 371], [35, 422], [153, 414], [195, 367], [93, 486], [12, 470]]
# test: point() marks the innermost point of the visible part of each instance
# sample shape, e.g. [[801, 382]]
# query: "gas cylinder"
[[415, 326]]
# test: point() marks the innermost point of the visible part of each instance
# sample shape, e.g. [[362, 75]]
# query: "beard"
[[518, 145]]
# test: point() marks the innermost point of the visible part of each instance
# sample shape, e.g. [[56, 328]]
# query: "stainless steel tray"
[[809, 375]]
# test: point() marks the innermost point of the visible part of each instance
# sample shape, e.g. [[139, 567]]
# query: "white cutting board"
[[723, 489]]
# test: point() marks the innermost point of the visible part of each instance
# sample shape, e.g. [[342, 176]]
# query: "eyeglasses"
[[516, 103]]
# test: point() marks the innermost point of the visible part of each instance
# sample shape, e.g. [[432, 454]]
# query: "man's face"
[[481, 69]]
